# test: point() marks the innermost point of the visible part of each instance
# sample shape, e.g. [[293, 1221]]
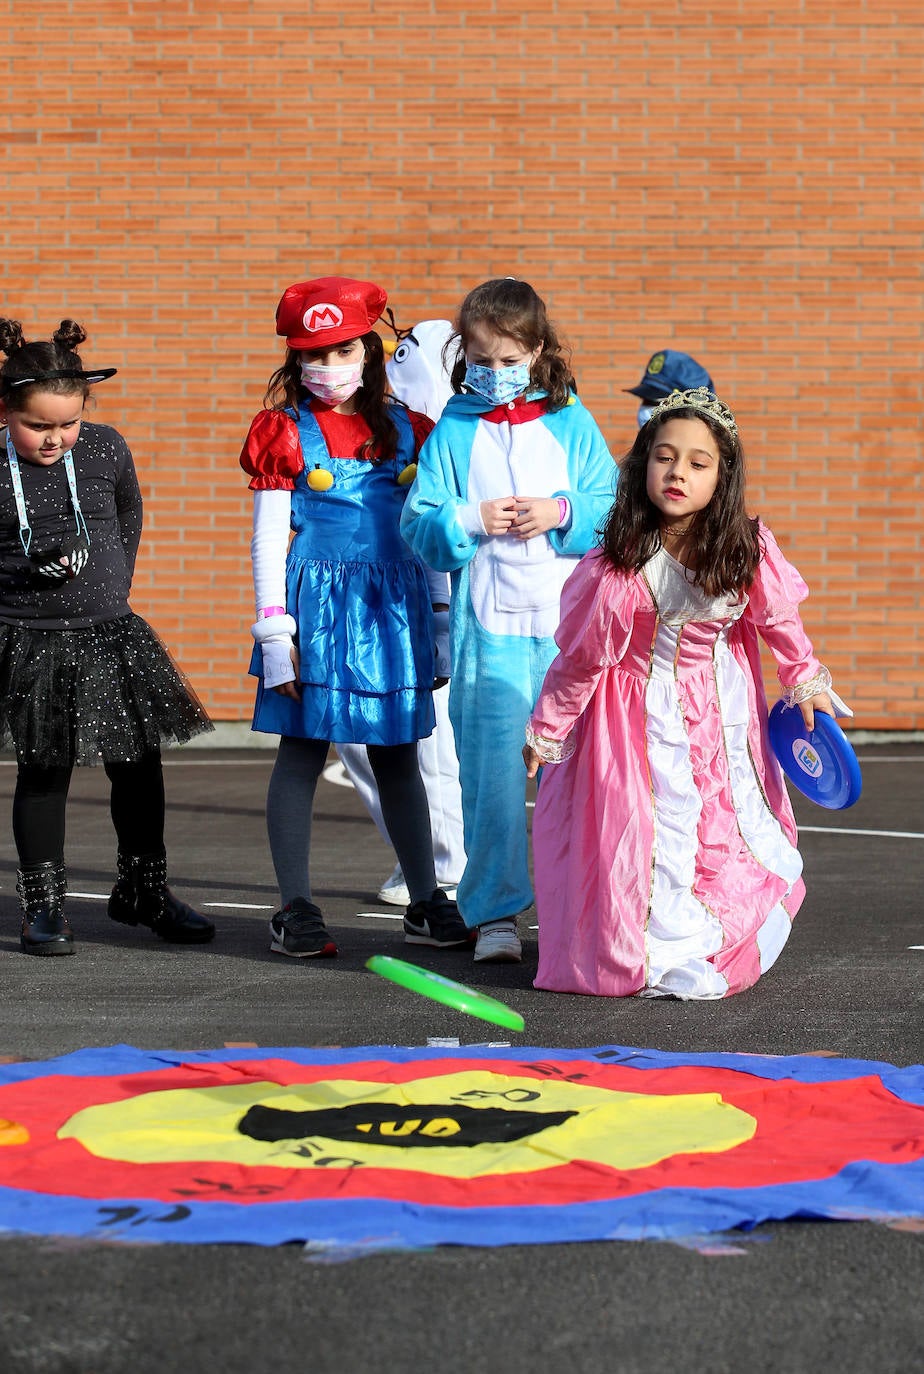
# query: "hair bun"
[[11, 336], [69, 335]]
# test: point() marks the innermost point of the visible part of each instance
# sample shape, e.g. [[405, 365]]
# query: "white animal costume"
[[417, 377], [505, 604]]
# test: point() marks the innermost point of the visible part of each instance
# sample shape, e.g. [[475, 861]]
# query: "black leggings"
[[136, 803], [290, 798]]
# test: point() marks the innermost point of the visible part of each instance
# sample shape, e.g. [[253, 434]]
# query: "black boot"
[[141, 897], [41, 895]]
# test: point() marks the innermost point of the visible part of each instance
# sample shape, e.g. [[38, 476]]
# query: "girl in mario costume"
[[418, 377], [665, 844], [510, 489], [344, 633]]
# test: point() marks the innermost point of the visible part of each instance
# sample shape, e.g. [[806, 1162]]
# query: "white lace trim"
[[803, 691], [549, 750]]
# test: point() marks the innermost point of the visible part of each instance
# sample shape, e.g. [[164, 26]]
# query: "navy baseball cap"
[[669, 371]]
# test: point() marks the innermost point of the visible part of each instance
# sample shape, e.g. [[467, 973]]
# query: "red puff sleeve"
[[422, 426], [271, 453]]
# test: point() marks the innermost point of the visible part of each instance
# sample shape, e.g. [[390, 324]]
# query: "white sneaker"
[[498, 943], [394, 889]]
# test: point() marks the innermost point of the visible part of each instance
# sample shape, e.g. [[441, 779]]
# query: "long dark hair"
[[724, 540], [513, 308], [59, 354], [285, 391]]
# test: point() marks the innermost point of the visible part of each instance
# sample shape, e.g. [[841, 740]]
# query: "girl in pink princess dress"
[[664, 840]]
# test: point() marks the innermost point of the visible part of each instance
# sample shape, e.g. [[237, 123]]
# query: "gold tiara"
[[700, 398]]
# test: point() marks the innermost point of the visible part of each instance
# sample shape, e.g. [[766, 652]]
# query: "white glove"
[[277, 661], [438, 582], [441, 643], [275, 637]]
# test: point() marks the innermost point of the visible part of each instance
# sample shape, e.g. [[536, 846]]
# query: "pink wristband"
[[270, 610], [562, 510]]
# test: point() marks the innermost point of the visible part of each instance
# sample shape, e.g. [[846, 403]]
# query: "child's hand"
[[497, 516], [821, 702], [57, 568], [532, 760], [67, 561], [536, 515]]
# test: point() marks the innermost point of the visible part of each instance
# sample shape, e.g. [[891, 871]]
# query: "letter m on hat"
[[322, 316]]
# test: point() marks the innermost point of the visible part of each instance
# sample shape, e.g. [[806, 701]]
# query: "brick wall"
[[741, 183]]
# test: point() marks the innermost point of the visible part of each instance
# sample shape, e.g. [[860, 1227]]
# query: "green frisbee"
[[455, 995]]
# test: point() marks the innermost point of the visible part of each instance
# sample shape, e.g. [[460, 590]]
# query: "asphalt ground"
[[790, 1295]]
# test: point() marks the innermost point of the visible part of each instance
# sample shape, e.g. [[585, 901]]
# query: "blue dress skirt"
[[361, 601]]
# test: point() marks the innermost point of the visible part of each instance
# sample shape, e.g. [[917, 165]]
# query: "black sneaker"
[[436, 922], [299, 930]]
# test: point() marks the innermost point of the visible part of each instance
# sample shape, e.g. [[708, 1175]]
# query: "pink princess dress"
[[664, 840]]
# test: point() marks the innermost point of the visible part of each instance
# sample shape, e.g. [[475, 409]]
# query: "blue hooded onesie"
[[504, 605]]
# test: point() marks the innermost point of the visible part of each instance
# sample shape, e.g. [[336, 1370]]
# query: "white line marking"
[[229, 906], [240, 906], [916, 946], [882, 834], [379, 916], [218, 763], [190, 763]]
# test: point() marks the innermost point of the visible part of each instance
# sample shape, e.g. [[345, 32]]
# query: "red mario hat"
[[328, 311]]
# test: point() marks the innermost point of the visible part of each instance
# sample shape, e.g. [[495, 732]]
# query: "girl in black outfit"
[[82, 679]]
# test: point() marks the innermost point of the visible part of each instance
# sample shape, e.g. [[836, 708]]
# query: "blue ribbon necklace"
[[25, 528]]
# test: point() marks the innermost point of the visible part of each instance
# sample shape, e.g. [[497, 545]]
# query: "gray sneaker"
[[498, 943]]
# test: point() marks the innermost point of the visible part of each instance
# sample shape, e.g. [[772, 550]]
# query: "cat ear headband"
[[98, 374]]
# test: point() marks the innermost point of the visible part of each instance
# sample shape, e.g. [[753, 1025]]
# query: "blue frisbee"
[[820, 762]]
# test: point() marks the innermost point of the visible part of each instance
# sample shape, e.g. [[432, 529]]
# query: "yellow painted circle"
[[435, 1125]]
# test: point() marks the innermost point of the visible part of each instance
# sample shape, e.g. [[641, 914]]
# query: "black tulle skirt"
[[108, 693]]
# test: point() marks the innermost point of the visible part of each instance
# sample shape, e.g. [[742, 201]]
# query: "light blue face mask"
[[645, 412], [497, 385]]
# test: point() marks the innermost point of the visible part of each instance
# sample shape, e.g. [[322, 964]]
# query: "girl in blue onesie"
[[344, 632], [511, 487]]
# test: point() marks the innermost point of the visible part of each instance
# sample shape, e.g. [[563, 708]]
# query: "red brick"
[[764, 216]]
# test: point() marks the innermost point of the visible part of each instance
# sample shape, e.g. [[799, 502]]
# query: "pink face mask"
[[332, 384]]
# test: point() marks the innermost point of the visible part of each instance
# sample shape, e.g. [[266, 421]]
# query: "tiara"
[[701, 399]]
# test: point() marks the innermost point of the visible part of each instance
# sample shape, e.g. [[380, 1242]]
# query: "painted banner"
[[392, 1147]]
